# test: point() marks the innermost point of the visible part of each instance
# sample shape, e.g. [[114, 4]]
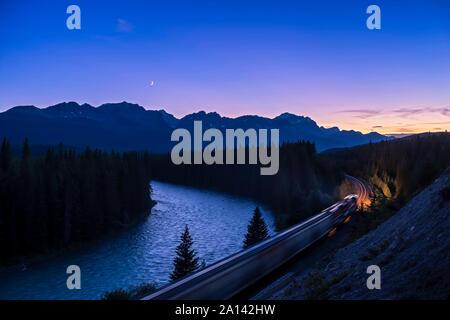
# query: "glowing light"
[[332, 232]]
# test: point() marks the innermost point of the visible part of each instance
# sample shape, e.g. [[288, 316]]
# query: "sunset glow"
[[316, 60]]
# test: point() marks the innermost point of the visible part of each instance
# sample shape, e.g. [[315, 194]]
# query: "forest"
[[304, 184], [64, 198], [307, 182], [398, 168]]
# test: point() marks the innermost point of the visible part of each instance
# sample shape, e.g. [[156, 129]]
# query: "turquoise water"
[[218, 223]]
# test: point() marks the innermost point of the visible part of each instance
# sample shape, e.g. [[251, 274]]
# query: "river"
[[142, 254]]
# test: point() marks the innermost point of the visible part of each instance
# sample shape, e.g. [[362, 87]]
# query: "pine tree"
[[26, 153], [256, 230], [6, 156], [186, 261]]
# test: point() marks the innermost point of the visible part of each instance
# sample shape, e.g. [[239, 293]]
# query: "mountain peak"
[[71, 105], [64, 104], [168, 118], [24, 110], [128, 126], [68, 110], [287, 115], [121, 106], [201, 115], [296, 119]]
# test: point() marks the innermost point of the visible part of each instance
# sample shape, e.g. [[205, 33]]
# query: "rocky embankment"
[[411, 250]]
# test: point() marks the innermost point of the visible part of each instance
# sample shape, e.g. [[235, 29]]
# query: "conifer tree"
[[6, 156], [48, 203], [256, 230], [186, 260]]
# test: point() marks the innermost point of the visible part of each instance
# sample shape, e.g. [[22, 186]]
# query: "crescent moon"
[[152, 83]]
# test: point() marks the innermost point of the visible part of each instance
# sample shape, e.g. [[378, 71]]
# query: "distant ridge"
[[126, 126]]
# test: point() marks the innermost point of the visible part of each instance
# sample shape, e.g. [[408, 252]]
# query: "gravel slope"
[[411, 248]]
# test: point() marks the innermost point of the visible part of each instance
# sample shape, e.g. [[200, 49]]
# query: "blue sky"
[[236, 57]]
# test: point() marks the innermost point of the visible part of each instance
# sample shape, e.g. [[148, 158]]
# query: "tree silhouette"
[[48, 203], [256, 230], [6, 156], [186, 261], [302, 172]]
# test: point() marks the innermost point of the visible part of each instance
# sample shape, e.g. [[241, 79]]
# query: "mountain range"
[[126, 126]]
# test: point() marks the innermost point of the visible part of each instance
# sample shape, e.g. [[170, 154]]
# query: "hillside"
[[411, 248], [129, 127]]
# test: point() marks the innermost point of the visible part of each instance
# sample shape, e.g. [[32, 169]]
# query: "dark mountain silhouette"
[[125, 126], [120, 126]]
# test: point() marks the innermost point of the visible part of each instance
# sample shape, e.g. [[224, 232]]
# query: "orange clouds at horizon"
[[394, 121]]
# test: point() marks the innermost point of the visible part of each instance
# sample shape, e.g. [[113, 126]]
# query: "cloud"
[[399, 119], [123, 26], [361, 113], [406, 112], [444, 111], [403, 130], [438, 123], [358, 111]]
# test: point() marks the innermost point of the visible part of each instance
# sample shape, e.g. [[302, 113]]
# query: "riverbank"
[[145, 252], [23, 262]]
